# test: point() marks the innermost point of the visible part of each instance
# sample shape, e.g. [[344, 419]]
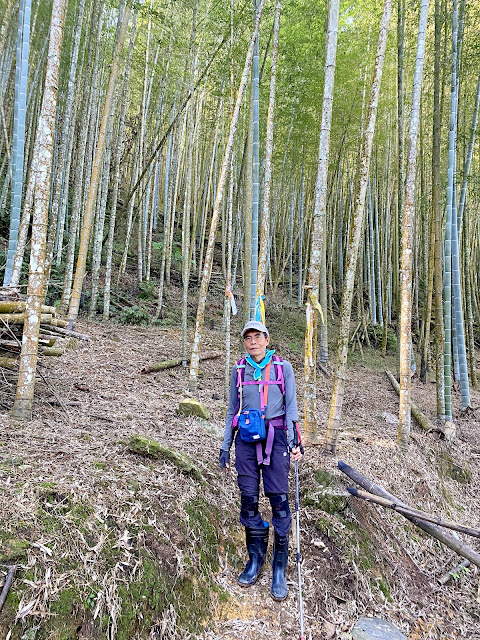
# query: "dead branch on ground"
[[436, 532]]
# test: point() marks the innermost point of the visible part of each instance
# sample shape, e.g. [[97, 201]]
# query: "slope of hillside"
[[113, 544]]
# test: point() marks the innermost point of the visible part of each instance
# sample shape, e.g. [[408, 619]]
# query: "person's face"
[[256, 344]]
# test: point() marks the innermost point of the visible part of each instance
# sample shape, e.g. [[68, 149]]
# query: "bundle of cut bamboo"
[[12, 318]]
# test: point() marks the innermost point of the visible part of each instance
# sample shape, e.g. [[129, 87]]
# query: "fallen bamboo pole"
[[454, 573], [7, 585], [421, 418], [65, 332], [176, 362], [436, 532], [414, 513]]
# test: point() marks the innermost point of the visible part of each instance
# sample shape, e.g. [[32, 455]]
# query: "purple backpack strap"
[[269, 445], [240, 381], [279, 371]]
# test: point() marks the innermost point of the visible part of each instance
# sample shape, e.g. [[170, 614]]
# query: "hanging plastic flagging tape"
[[260, 309], [312, 305], [309, 332], [316, 304], [229, 294]]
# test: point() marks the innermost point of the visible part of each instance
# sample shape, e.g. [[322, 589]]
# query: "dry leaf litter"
[[92, 511]]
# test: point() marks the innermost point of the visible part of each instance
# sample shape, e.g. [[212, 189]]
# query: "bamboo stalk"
[[94, 180], [420, 417], [356, 231], [207, 268], [404, 413]]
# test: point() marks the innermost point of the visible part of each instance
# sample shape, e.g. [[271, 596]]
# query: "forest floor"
[[111, 544]]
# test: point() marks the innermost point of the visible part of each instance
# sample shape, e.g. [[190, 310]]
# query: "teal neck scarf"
[[258, 366]]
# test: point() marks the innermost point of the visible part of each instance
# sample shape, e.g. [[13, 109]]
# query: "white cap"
[[255, 325]]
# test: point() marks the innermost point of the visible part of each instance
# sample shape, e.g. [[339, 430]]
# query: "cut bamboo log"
[[176, 362], [18, 306], [15, 345], [19, 318], [52, 351], [436, 532], [61, 331], [58, 322], [10, 345], [426, 424], [414, 513], [8, 293], [8, 363]]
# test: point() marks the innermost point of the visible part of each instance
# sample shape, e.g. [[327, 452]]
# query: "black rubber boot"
[[257, 543], [279, 588]]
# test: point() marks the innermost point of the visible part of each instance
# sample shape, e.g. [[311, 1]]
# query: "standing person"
[[266, 416]]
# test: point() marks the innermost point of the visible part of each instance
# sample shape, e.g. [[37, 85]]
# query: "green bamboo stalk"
[[336, 403], [18, 158], [447, 287]]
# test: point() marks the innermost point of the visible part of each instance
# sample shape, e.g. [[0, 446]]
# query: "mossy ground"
[[145, 598]]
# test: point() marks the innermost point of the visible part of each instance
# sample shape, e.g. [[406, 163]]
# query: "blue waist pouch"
[[251, 424]]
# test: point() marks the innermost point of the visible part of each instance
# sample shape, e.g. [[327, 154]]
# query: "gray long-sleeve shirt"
[[277, 404]]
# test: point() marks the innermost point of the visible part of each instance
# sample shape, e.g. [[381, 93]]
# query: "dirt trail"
[[85, 459]]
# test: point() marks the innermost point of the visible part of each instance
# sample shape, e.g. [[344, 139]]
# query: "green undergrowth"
[[135, 315], [287, 328], [372, 358], [325, 495], [375, 335], [143, 580]]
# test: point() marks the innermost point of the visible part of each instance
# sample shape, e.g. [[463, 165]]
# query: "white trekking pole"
[[298, 443]]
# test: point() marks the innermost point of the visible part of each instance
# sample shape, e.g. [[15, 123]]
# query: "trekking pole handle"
[[297, 438]]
